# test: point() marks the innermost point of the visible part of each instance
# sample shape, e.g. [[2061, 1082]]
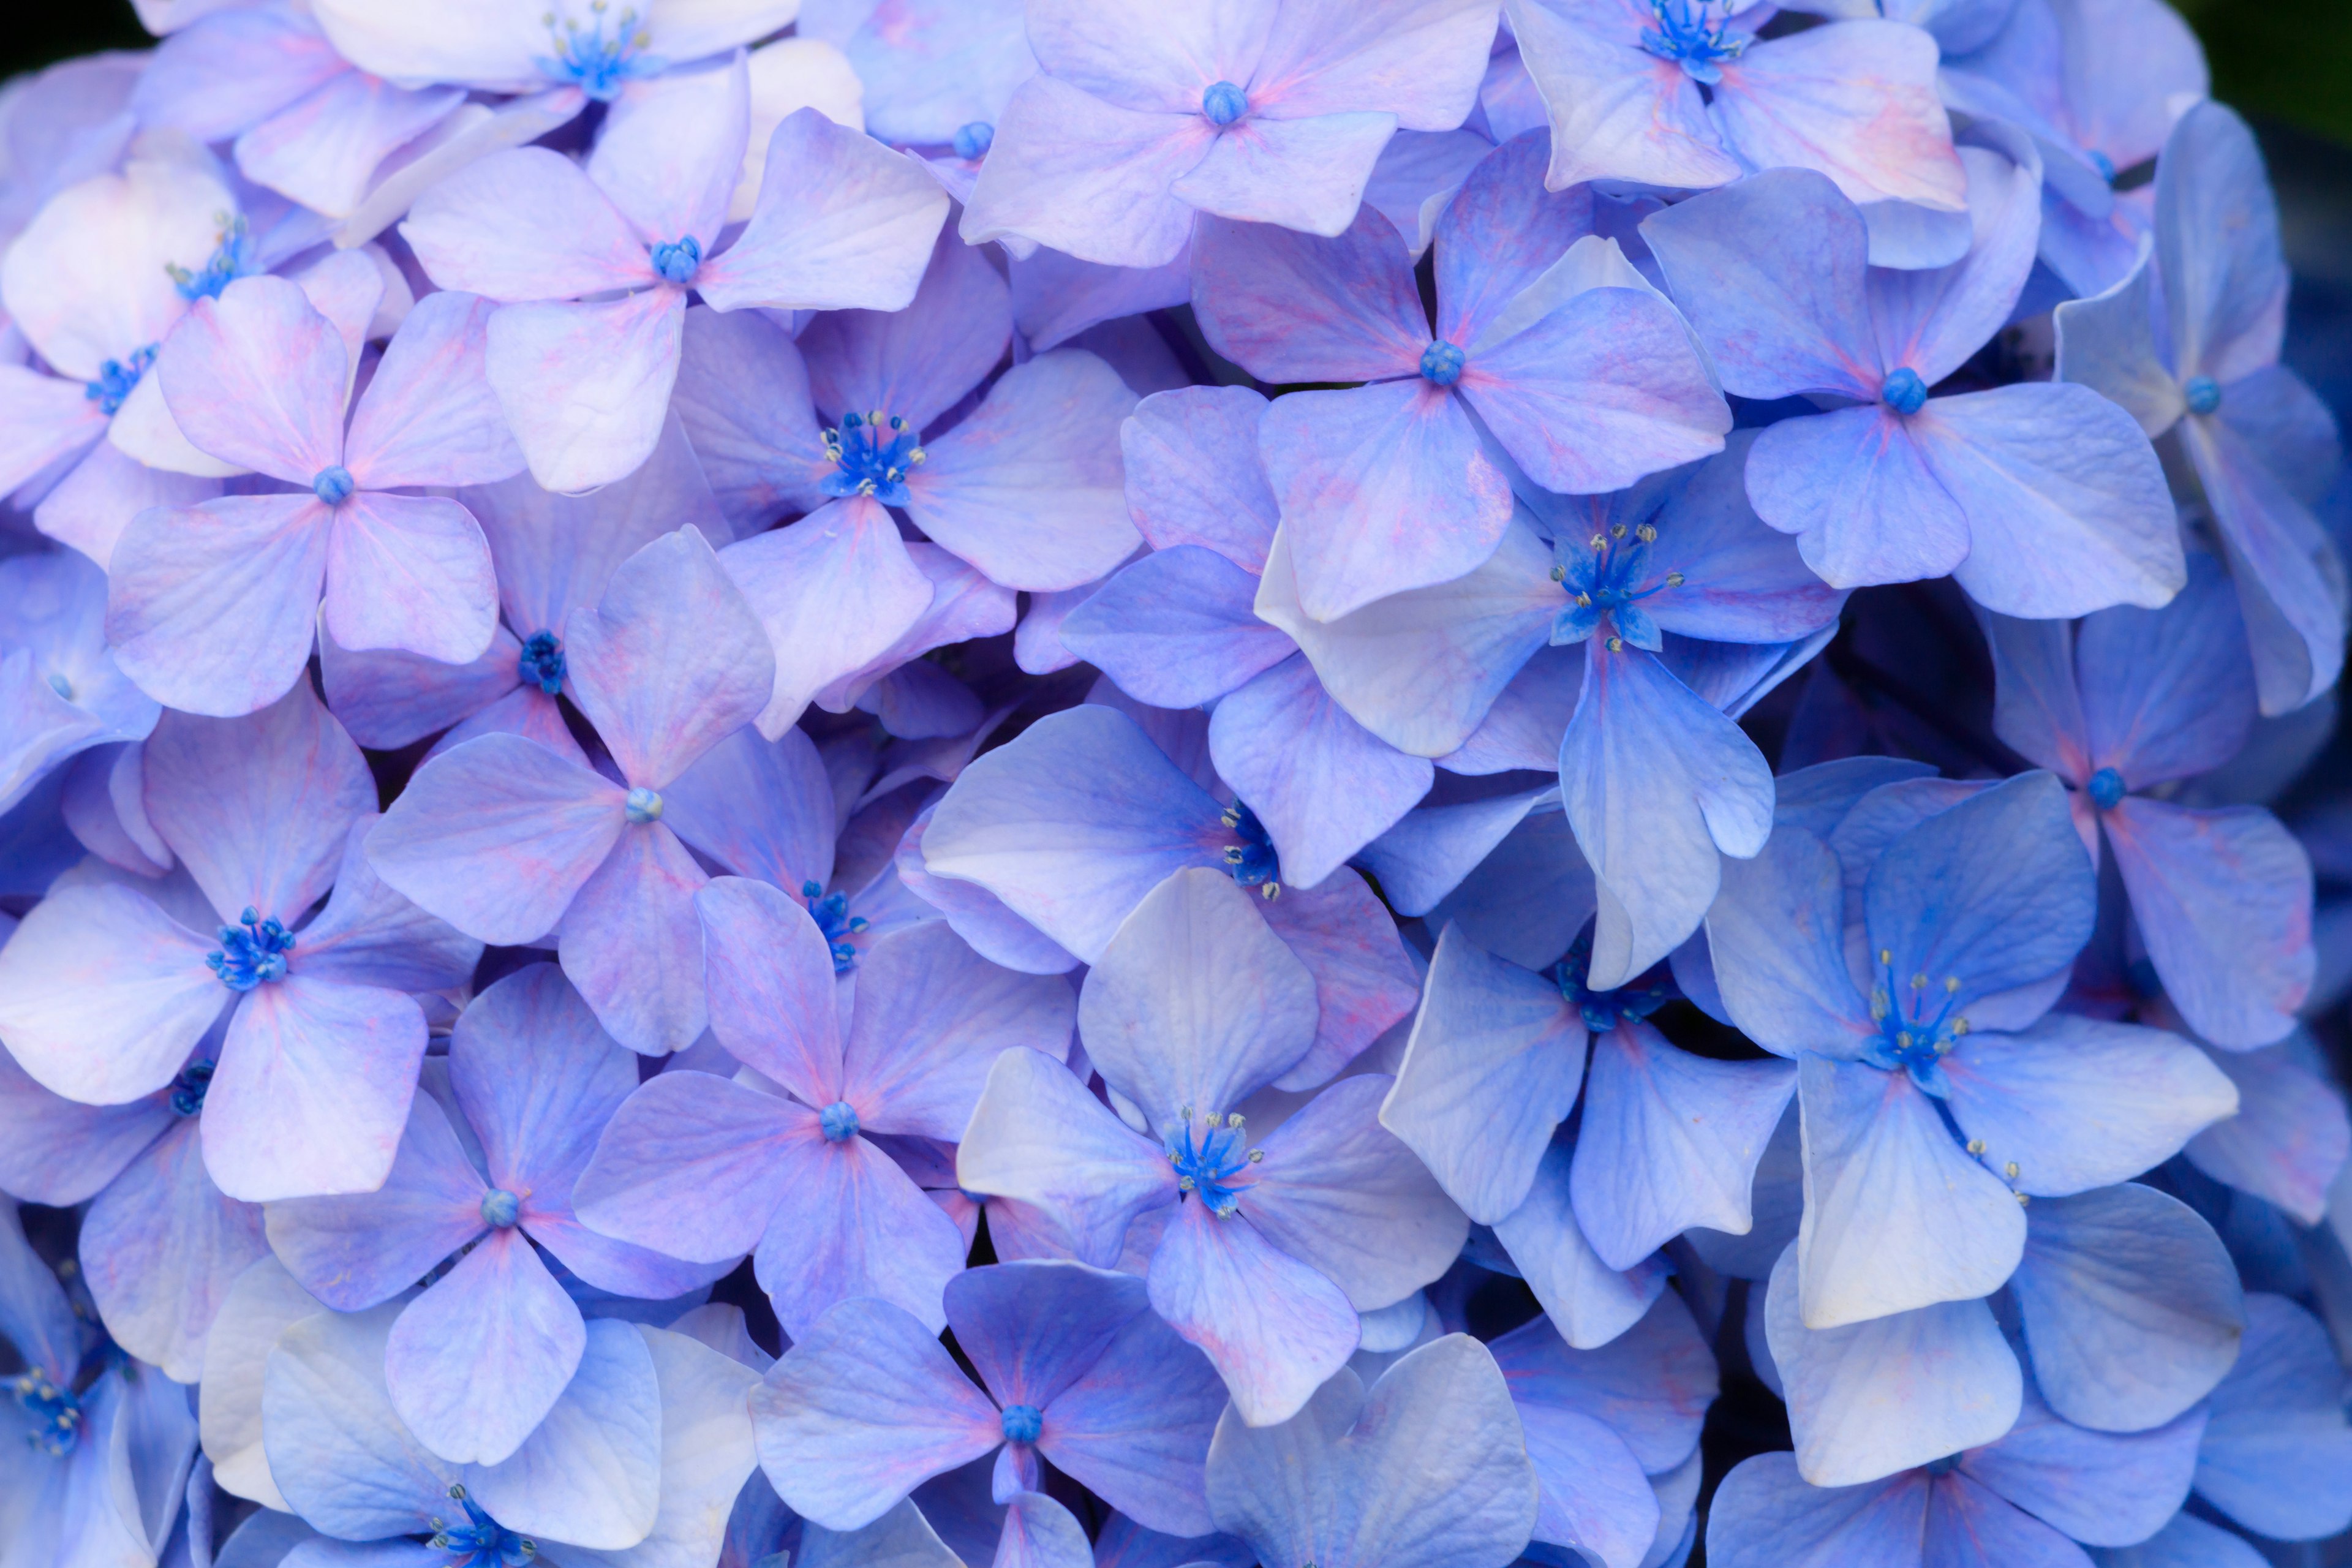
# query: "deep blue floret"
[[643, 805], [1023, 1423], [1690, 34], [117, 379], [252, 954], [599, 66], [502, 1208], [1224, 102], [1442, 362], [1604, 1010], [677, 261], [231, 259], [481, 1542], [1606, 577], [189, 1089], [1216, 1166], [1252, 860], [838, 1121], [2203, 394], [333, 485], [872, 456], [1910, 1038], [542, 664], [55, 1413], [2107, 789], [831, 912], [974, 140], [1904, 391]]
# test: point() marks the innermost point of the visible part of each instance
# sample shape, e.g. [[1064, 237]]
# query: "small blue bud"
[[500, 1208], [1904, 391], [1023, 1423], [2104, 165], [974, 140], [60, 685], [839, 1121], [1442, 362], [335, 485], [2203, 392], [1224, 102], [677, 261], [541, 662], [642, 806], [2107, 789]]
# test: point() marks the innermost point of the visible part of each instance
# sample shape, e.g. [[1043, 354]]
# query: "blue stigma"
[[188, 1089], [1442, 362], [1216, 1167], [55, 1413], [335, 485], [231, 259], [116, 378], [60, 685], [1687, 34], [838, 1121], [481, 1542], [974, 140], [831, 912], [1252, 862], [1606, 580], [599, 66], [2105, 789], [502, 1208], [1023, 1423], [1904, 391], [1604, 1010], [1224, 102], [2104, 164], [642, 806], [542, 664], [251, 953], [1908, 1039], [677, 261], [874, 454], [2203, 392]]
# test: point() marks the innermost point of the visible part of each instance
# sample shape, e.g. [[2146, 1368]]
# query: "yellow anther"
[[2022, 1200], [1560, 574], [1952, 983], [1617, 530], [2010, 1170], [1918, 982], [1616, 645], [1646, 533], [1674, 579], [1976, 1146], [1885, 955]]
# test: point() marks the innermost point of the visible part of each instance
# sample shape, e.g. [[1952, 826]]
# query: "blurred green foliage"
[[2280, 59]]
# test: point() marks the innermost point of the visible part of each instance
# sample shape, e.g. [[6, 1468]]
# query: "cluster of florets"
[[953, 785]]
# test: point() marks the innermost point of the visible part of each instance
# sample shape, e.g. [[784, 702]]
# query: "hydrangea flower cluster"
[[1336, 783]]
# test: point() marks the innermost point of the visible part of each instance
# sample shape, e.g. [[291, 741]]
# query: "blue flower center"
[[335, 485], [117, 378], [188, 1089], [253, 953], [838, 1121], [1224, 102], [1912, 1038], [55, 1413], [1023, 1423], [1604, 1010], [481, 1542], [1904, 391], [542, 664], [502, 1208], [1252, 859], [831, 912], [2203, 392], [1214, 1162], [600, 66], [873, 454], [1442, 362], [676, 260], [643, 805], [1694, 34], [2107, 789], [1606, 579], [974, 140], [231, 259]]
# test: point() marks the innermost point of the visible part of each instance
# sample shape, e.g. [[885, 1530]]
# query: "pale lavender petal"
[[1085, 177], [1766, 1515], [1176, 629], [1274, 1328], [60, 1152], [772, 987], [1493, 1066], [1306, 175], [1932, 319], [1857, 488], [1290, 307], [1616, 112], [212, 609], [2288, 1140], [257, 378], [864, 1406], [1038, 1137], [478, 1361], [355, 1251], [590, 1472], [632, 944], [410, 572], [323, 150], [1193, 473], [388, 699], [918, 362], [526, 223], [586, 387], [1854, 99], [160, 1248], [428, 417], [1364, 979], [102, 995], [1028, 488], [842, 223], [689, 1167], [1868, 1400], [670, 152], [1135, 1427], [762, 454], [931, 1016]]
